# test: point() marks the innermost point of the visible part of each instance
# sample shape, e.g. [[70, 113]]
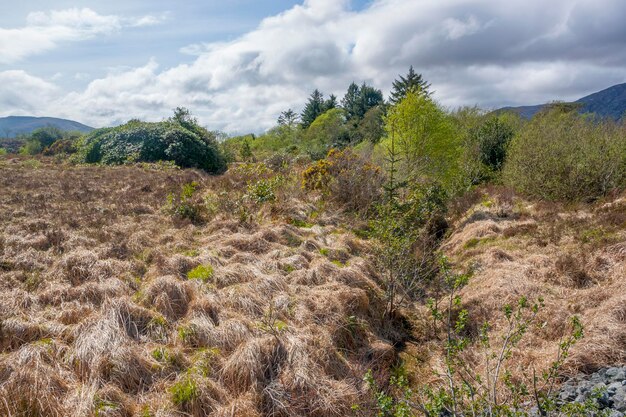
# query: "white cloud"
[[477, 51], [45, 31], [23, 94]]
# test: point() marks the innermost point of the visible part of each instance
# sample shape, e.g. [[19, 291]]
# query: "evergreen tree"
[[412, 82], [331, 103], [314, 107], [358, 100], [351, 101], [369, 97]]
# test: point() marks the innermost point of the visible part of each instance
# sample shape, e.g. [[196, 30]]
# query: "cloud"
[[484, 52], [23, 94], [45, 31]]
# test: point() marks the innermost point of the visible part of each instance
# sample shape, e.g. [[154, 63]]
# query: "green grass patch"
[[475, 242], [184, 391], [202, 272], [301, 223]]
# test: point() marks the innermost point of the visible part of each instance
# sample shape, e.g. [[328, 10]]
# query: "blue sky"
[[237, 64]]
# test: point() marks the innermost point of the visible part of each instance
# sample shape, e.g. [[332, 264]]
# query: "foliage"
[[346, 179], [372, 127], [263, 190], [245, 153], [179, 139], [60, 147], [326, 132], [288, 118], [496, 392], [46, 136], [31, 147], [202, 273], [184, 391], [561, 155], [358, 100], [492, 138], [413, 82], [3, 152], [313, 108], [425, 139], [404, 245], [186, 204]]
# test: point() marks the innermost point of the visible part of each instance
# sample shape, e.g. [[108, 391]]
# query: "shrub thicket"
[[561, 155], [184, 142]]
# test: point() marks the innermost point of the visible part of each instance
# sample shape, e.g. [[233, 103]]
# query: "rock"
[[608, 386]]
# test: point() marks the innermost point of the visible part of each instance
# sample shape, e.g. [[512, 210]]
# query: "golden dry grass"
[[572, 257], [98, 316]]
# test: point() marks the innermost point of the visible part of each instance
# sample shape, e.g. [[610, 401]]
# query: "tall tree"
[[351, 101], [358, 100], [313, 108], [369, 97], [288, 118], [331, 103], [412, 82]]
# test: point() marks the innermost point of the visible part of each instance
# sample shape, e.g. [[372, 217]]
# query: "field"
[[112, 306]]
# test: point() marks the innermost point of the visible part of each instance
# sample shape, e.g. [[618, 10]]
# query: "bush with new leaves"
[[561, 155]]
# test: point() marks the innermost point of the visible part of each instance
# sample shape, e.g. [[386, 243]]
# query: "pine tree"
[[412, 81], [358, 100], [331, 103], [351, 101], [314, 107]]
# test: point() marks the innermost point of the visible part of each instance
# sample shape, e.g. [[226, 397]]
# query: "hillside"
[[610, 102], [13, 126]]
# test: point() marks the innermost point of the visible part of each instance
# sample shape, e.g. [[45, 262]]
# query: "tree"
[[372, 126], [426, 139], [493, 138], [331, 103], [326, 132], [288, 118], [313, 108], [358, 100], [412, 82], [245, 152], [179, 139], [46, 136]]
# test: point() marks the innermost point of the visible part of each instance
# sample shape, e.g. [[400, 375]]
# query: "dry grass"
[[98, 316], [572, 257]]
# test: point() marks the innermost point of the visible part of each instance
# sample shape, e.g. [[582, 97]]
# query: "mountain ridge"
[[12, 126], [610, 102]]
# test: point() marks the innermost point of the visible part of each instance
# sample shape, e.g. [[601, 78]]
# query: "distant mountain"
[[13, 126], [610, 102]]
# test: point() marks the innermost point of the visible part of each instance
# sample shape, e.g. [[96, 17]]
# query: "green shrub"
[[263, 190], [183, 142], [186, 205], [493, 138], [561, 155], [31, 147], [202, 272], [3, 152]]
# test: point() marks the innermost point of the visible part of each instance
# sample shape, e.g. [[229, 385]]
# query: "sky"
[[237, 64]]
